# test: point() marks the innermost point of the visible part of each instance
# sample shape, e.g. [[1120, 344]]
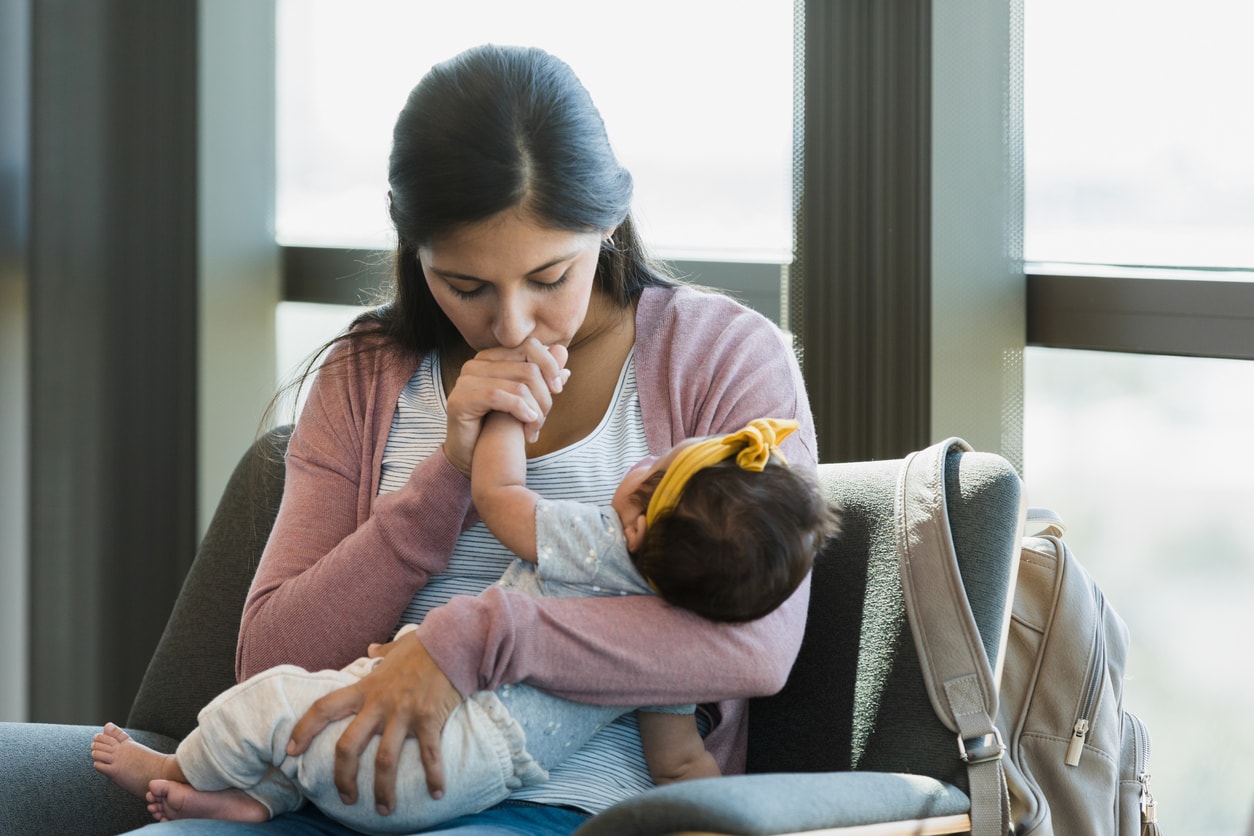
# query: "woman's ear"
[[634, 531]]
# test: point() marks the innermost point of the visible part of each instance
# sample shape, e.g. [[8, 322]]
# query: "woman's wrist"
[[454, 636]]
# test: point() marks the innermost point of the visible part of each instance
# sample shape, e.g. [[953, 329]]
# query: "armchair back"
[[195, 658]]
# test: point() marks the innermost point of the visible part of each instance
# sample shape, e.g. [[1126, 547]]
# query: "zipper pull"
[[1076, 746], [1149, 807]]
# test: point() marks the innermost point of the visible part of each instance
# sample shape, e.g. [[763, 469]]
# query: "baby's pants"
[[488, 749]]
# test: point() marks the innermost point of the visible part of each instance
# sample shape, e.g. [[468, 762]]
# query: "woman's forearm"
[[634, 650]]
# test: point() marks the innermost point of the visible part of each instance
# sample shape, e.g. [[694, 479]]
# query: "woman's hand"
[[519, 381], [407, 695]]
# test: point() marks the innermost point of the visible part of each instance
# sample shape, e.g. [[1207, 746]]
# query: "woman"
[[516, 259]]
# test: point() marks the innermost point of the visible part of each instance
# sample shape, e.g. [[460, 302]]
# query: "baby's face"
[[636, 476]]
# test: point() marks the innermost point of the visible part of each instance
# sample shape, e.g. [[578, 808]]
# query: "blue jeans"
[[509, 818]]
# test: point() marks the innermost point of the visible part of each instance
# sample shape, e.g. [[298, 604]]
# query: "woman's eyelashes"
[[554, 285], [471, 292], [463, 293]]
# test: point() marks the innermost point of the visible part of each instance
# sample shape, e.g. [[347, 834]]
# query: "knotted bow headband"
[[752, 446]]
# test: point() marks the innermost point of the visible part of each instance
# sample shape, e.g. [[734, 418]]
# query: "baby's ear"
[[634, 532]]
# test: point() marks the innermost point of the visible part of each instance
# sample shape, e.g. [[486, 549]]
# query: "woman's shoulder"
[[363, 371], [363, 353], [710, 364], [688, 315], [692, 305]]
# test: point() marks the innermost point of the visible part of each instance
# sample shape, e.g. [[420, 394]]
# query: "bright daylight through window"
[[1137, 141], [717, 79]]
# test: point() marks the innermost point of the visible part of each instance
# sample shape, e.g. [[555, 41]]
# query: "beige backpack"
[[1053, 752]]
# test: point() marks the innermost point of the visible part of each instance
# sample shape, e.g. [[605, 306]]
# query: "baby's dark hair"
[[738, 542]]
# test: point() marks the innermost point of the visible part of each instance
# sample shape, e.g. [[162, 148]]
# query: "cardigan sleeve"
[[704, 368], [341, 565]]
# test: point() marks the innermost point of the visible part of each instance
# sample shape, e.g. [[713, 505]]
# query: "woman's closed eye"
[[461, 293], [464, 288], [467, 292], [468, 289], [553, 285]]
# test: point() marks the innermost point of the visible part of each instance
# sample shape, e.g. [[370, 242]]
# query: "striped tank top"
[[611, 766]]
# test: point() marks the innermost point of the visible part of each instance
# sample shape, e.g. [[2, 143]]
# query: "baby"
[[721, 526]]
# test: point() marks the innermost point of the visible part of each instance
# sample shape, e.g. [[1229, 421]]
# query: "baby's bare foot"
[[130, 764], [171, 800]]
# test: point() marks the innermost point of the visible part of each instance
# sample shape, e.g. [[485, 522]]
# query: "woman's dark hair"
[[491, 129], [738, 542]]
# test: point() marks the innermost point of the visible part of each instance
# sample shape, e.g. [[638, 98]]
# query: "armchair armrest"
[[790, 803]]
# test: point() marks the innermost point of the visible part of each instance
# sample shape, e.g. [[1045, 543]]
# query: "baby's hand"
[[377, 650], [519, 381]]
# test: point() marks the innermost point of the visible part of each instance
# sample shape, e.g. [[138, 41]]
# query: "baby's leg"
[[242, 736], [555, 728], [487, 753], [157, 777], [479, 771]]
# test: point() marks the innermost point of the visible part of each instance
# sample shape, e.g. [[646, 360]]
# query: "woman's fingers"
[[533, 364], [429, 732], [353, 741], [518, 381], [341, 703], [549, 362], [406, 695], [472, 399], [336, 705], [386, 763]]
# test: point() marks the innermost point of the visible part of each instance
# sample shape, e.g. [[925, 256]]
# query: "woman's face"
[[507, 278]]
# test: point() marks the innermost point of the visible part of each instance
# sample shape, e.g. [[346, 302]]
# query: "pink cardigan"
[[342, 561]]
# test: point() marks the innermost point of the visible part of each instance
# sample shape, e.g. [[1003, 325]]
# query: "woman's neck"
[[595, 361]]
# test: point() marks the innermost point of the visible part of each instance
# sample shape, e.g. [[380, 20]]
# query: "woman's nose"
[[513, 323]]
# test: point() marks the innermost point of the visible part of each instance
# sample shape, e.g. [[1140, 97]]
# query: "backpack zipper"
[[1080, 730], [1149, 807]]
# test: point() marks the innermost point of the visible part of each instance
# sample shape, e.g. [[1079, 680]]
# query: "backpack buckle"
[[988, 747]]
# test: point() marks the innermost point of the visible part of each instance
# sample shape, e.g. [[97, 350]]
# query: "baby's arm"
[[673, 747], [498, 485]]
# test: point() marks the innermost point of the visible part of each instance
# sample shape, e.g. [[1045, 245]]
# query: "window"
[[1137, 139], [1135, 154], [1136, 135], [1142, 455], [688, 91]]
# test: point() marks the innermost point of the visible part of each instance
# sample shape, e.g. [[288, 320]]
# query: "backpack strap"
[[1045, 522], [960, 682]]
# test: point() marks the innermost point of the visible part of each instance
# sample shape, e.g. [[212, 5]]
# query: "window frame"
[[862, 64], [1160, 310], [1156, 311]]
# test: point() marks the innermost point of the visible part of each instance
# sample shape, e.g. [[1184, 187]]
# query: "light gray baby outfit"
[[493, 743]]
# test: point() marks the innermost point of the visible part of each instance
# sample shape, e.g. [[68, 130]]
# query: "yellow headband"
[[752, 447]]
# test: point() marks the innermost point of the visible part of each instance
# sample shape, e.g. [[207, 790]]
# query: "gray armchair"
[[851, 740]]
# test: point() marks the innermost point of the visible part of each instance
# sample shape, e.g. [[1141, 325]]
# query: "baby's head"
[[723, 526]]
